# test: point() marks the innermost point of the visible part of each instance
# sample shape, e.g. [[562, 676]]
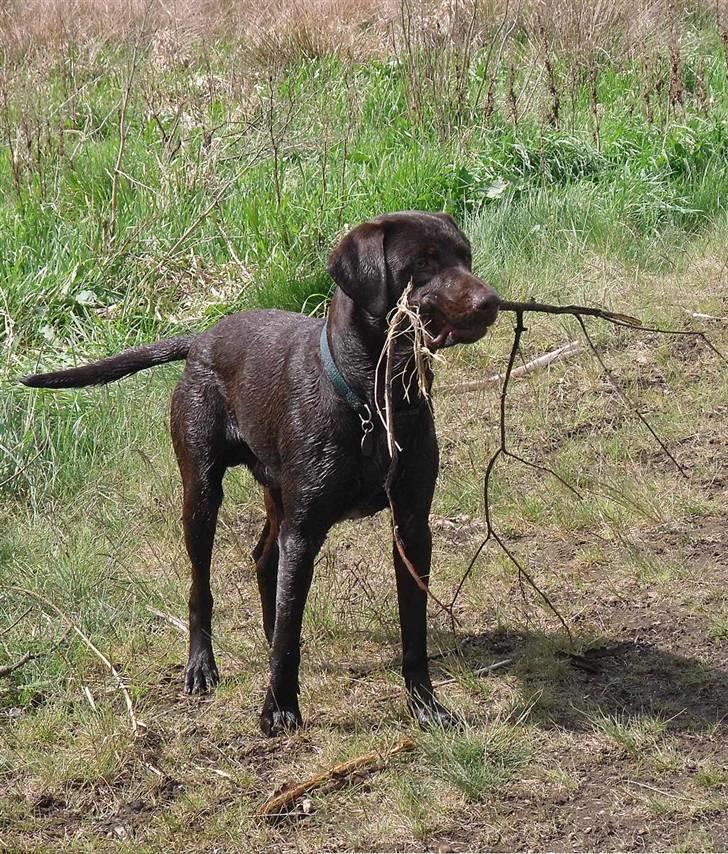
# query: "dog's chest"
[[368, 505], [365, 486]]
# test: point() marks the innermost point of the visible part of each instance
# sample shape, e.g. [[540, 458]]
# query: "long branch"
[[614, 317], [578, 311]]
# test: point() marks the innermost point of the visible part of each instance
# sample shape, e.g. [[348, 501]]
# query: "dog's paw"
[[278, 718], [431, 714], [201, 672]]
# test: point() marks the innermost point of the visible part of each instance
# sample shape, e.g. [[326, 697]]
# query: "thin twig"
[[616, 318], [502, 449], [481, 671], [7, 669], [661, 791], [22, 468], [548, 470], [698, 315], [15, 622], [615, 385], [169, 618], [90, 697], [135, 724], [122, 126]]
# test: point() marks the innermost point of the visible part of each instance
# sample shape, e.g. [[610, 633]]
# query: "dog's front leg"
[[416, 541], [295, 571]]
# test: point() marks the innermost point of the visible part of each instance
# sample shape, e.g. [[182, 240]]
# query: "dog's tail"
[[115, 367]]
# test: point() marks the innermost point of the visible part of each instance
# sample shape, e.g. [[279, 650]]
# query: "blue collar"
[[359, 406]]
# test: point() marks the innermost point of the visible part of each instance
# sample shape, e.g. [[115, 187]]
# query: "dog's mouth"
[[442, 332]]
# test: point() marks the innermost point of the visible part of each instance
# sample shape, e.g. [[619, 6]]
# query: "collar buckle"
[[361, 407]]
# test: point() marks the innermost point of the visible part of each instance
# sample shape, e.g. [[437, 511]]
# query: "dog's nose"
[[487, 303]]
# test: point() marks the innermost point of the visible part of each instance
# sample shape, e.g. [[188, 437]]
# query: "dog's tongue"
[[441, 338]]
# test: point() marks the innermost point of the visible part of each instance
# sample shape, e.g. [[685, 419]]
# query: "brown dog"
[[292, 398]]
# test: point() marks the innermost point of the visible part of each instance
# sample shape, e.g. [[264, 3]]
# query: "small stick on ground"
[[698, 315], [7, 669], [135, 724], [180, 625], [481, 671], [275, 806], [573, 348]]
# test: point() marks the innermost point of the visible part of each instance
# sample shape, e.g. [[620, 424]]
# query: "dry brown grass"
[[279, 31], [276, 30]]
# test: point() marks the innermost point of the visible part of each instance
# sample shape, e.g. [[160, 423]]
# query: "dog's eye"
[[421, 263]]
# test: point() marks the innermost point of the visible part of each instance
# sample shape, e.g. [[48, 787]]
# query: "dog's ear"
[[449, 219], [359, 267]]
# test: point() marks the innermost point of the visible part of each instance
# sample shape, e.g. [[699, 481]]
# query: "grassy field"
[[154, 177]]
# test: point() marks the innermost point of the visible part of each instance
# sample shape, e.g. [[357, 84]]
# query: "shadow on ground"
[[617, 677]]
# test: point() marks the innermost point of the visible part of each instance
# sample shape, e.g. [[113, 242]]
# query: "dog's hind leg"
[[197, 434], [266, 556]]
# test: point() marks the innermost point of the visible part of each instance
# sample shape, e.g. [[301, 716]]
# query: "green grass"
[[321, 147], [635, 734], [476, 763]]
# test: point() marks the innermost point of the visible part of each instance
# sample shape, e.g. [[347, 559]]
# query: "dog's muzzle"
[[456, 311]]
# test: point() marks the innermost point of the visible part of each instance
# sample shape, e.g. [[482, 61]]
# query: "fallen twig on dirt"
[[274, 806], [135, 724], [698, 315], [90, 697], [481, 671], [180, 625], [7, 669], [661, 791], [573, 348]]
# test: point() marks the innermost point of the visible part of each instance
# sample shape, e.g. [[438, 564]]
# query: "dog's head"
[[374, 263]]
